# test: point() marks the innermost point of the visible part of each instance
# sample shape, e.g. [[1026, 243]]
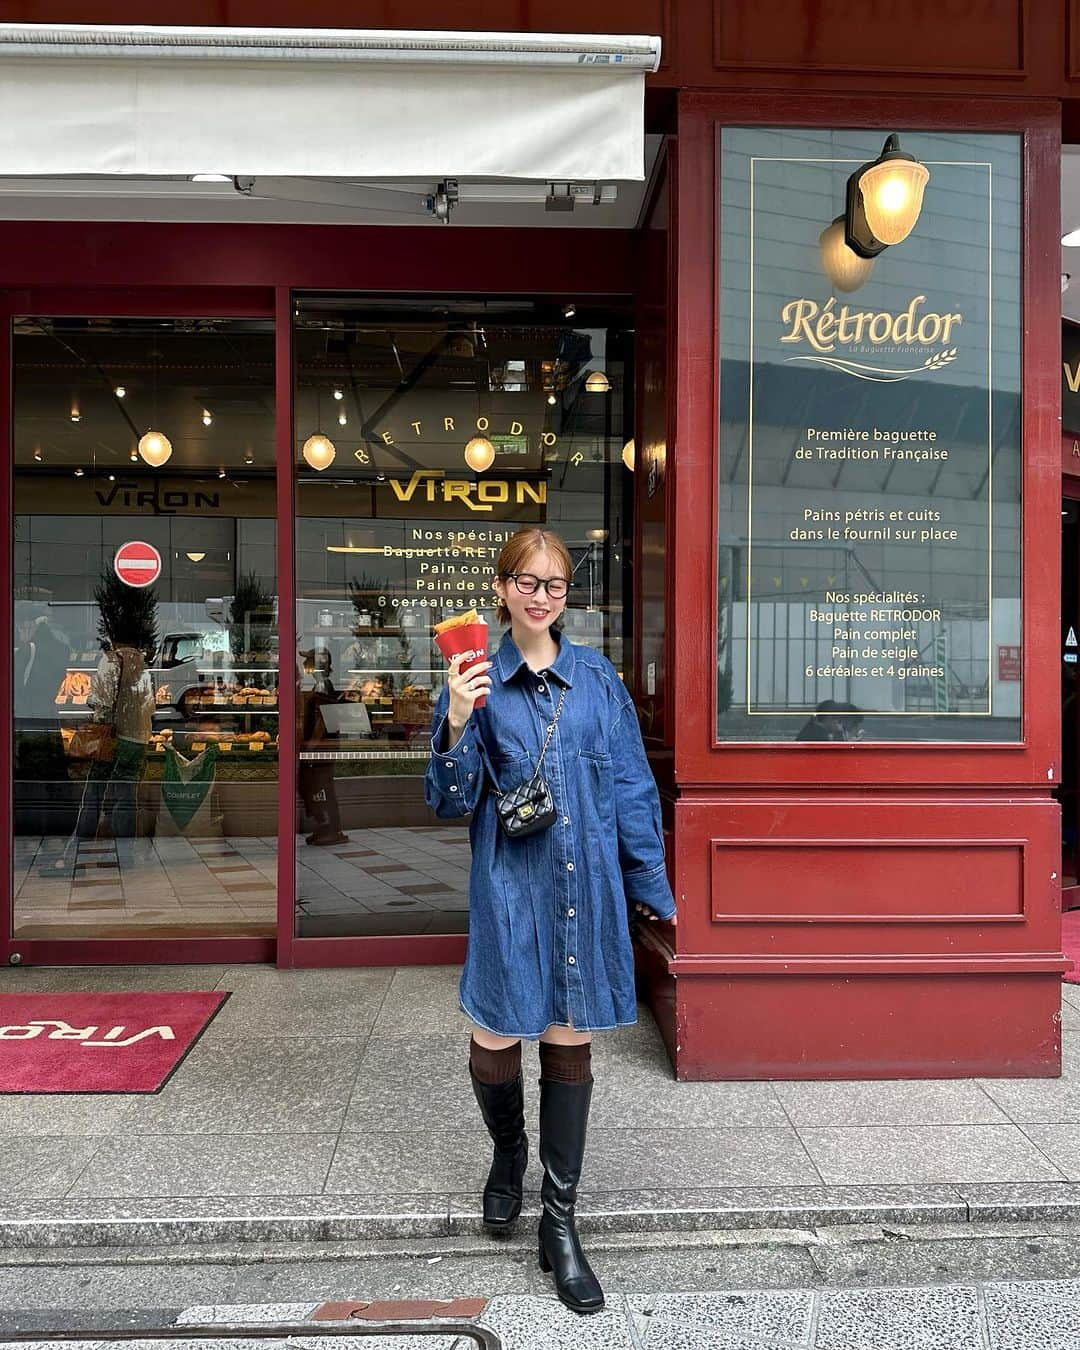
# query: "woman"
[[549, 955]]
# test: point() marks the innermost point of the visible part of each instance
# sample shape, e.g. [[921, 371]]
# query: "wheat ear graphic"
[[942, 358]]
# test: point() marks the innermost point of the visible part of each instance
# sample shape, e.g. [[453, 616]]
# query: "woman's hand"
[[644, 912], [465, 688]]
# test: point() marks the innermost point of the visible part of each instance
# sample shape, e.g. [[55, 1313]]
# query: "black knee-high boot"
[[502, 1106], [564, 1118]]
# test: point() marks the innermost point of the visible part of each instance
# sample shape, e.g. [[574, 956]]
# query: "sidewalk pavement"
[[336, 1105], [1004, 1315]]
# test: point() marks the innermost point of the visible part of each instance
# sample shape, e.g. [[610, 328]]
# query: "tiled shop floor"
[[420, 875]]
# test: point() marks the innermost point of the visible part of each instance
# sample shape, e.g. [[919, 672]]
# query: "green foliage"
[[127, 615], [251, 615]]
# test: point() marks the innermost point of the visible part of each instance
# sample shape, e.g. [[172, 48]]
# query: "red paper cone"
[[471, 641]]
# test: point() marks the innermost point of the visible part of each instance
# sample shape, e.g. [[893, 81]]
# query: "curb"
[[202, 1221]]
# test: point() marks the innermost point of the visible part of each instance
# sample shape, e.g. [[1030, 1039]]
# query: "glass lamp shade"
[[629, 452], [319, 451], [892, 191], [155, 448], [479, 454], [843, 266], [597, 382]]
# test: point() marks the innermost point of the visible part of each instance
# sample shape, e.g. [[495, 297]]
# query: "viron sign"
[[137, 563]]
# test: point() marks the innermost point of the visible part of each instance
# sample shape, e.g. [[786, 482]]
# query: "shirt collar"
[[511, 662]]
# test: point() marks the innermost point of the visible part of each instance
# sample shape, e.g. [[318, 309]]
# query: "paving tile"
[[1036, 1315], [525, 1322], [120, 979], [917, 1102], [1061, 1144], [174, 1165], [918, 1319], [1033, 1100], [44, 1169], [421, 1000], [411, 1163], [783, 1315], [648, 1095], [294, 1086], [269, 1002], [935, 1153], [61, 1114]]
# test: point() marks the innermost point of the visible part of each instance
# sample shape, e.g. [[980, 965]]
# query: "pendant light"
[[319, 450], [843, 266], [884, 199], [154, 446], [629, 454], [597, 382], [479, 454]]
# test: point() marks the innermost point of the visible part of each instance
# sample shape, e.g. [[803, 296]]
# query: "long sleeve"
[[637, 816], [455, 778]]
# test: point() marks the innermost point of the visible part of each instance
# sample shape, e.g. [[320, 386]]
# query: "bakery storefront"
[[756, 313], [146, 522]]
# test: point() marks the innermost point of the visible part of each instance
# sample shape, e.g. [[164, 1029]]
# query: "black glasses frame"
[[515, 577]]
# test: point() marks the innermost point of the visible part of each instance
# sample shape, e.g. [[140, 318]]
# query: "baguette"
[[458, 621]]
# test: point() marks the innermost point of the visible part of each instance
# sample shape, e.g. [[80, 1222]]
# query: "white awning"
[[80, 99]]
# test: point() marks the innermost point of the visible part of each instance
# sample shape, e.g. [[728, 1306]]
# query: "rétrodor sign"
[[137, 563]]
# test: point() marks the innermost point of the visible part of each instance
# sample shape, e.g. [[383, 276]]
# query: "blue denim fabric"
[[549, 939]]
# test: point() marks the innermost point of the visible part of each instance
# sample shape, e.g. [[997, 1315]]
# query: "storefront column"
[[887, 907]]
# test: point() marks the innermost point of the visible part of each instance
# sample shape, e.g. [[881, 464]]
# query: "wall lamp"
[[884, 198]]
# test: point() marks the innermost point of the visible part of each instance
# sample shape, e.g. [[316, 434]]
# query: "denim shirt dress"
[[549, 938]]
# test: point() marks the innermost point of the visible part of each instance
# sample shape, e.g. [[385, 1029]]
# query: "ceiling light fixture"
[[569, 310], [155, 448], [479, 454], [339, 394], [79, 473], [597, 382], [629, 454], [343, 418], [75, 415], [196, 557], [221, 472], [207, 417], [120, 391], [249, 458], [319, 451], [38, 456], [134, 456], [552, 400]]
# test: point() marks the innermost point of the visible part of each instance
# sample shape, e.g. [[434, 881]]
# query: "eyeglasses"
[[528, 584]]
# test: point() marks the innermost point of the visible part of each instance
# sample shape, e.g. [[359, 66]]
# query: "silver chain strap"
[[547, 741]]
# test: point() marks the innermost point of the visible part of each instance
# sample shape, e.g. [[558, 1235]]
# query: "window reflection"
[[447, 432]]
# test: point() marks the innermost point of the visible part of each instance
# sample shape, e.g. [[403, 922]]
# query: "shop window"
[[425, 436], [144, 595], [868, 549]]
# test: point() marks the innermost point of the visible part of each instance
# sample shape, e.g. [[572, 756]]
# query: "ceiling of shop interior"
[[178, 199]]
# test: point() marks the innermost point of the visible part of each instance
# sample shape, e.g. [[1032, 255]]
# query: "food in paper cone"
[[465, 635]]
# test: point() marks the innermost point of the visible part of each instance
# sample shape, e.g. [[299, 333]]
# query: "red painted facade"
[[926, 938]]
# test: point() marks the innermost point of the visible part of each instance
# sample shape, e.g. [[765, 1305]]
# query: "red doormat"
[[98, 1042], [1070, 943]]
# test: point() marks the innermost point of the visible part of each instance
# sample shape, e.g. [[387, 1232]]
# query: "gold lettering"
[[448, 424], [388, 438], [482, 423], [1072, 377], [516, 428], [825, 326], [416, 426]]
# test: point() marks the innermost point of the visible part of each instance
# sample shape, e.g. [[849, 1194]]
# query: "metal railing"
[[278, 1331]]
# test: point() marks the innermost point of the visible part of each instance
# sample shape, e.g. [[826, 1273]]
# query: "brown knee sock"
[[566, 1063], [495, 1066]]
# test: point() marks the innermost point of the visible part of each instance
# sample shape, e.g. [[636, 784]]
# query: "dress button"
[[449, 763], [570, 960], [566, 820], [569, 867], [453, 789], [469, 777], [569, 913], [542, 689]]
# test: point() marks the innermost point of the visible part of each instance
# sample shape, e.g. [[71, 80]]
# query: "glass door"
[[425, 435], [144, 719]]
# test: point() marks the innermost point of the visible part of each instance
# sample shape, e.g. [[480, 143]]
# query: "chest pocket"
[[511, 770]]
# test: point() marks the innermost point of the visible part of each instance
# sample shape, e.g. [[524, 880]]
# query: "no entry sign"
[[137, 563]]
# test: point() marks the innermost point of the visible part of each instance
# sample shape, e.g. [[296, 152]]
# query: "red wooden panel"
[[866, 880], [872, 1026], [931, 36]]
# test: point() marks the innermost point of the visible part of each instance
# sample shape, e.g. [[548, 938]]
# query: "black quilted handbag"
[[529, 809]]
